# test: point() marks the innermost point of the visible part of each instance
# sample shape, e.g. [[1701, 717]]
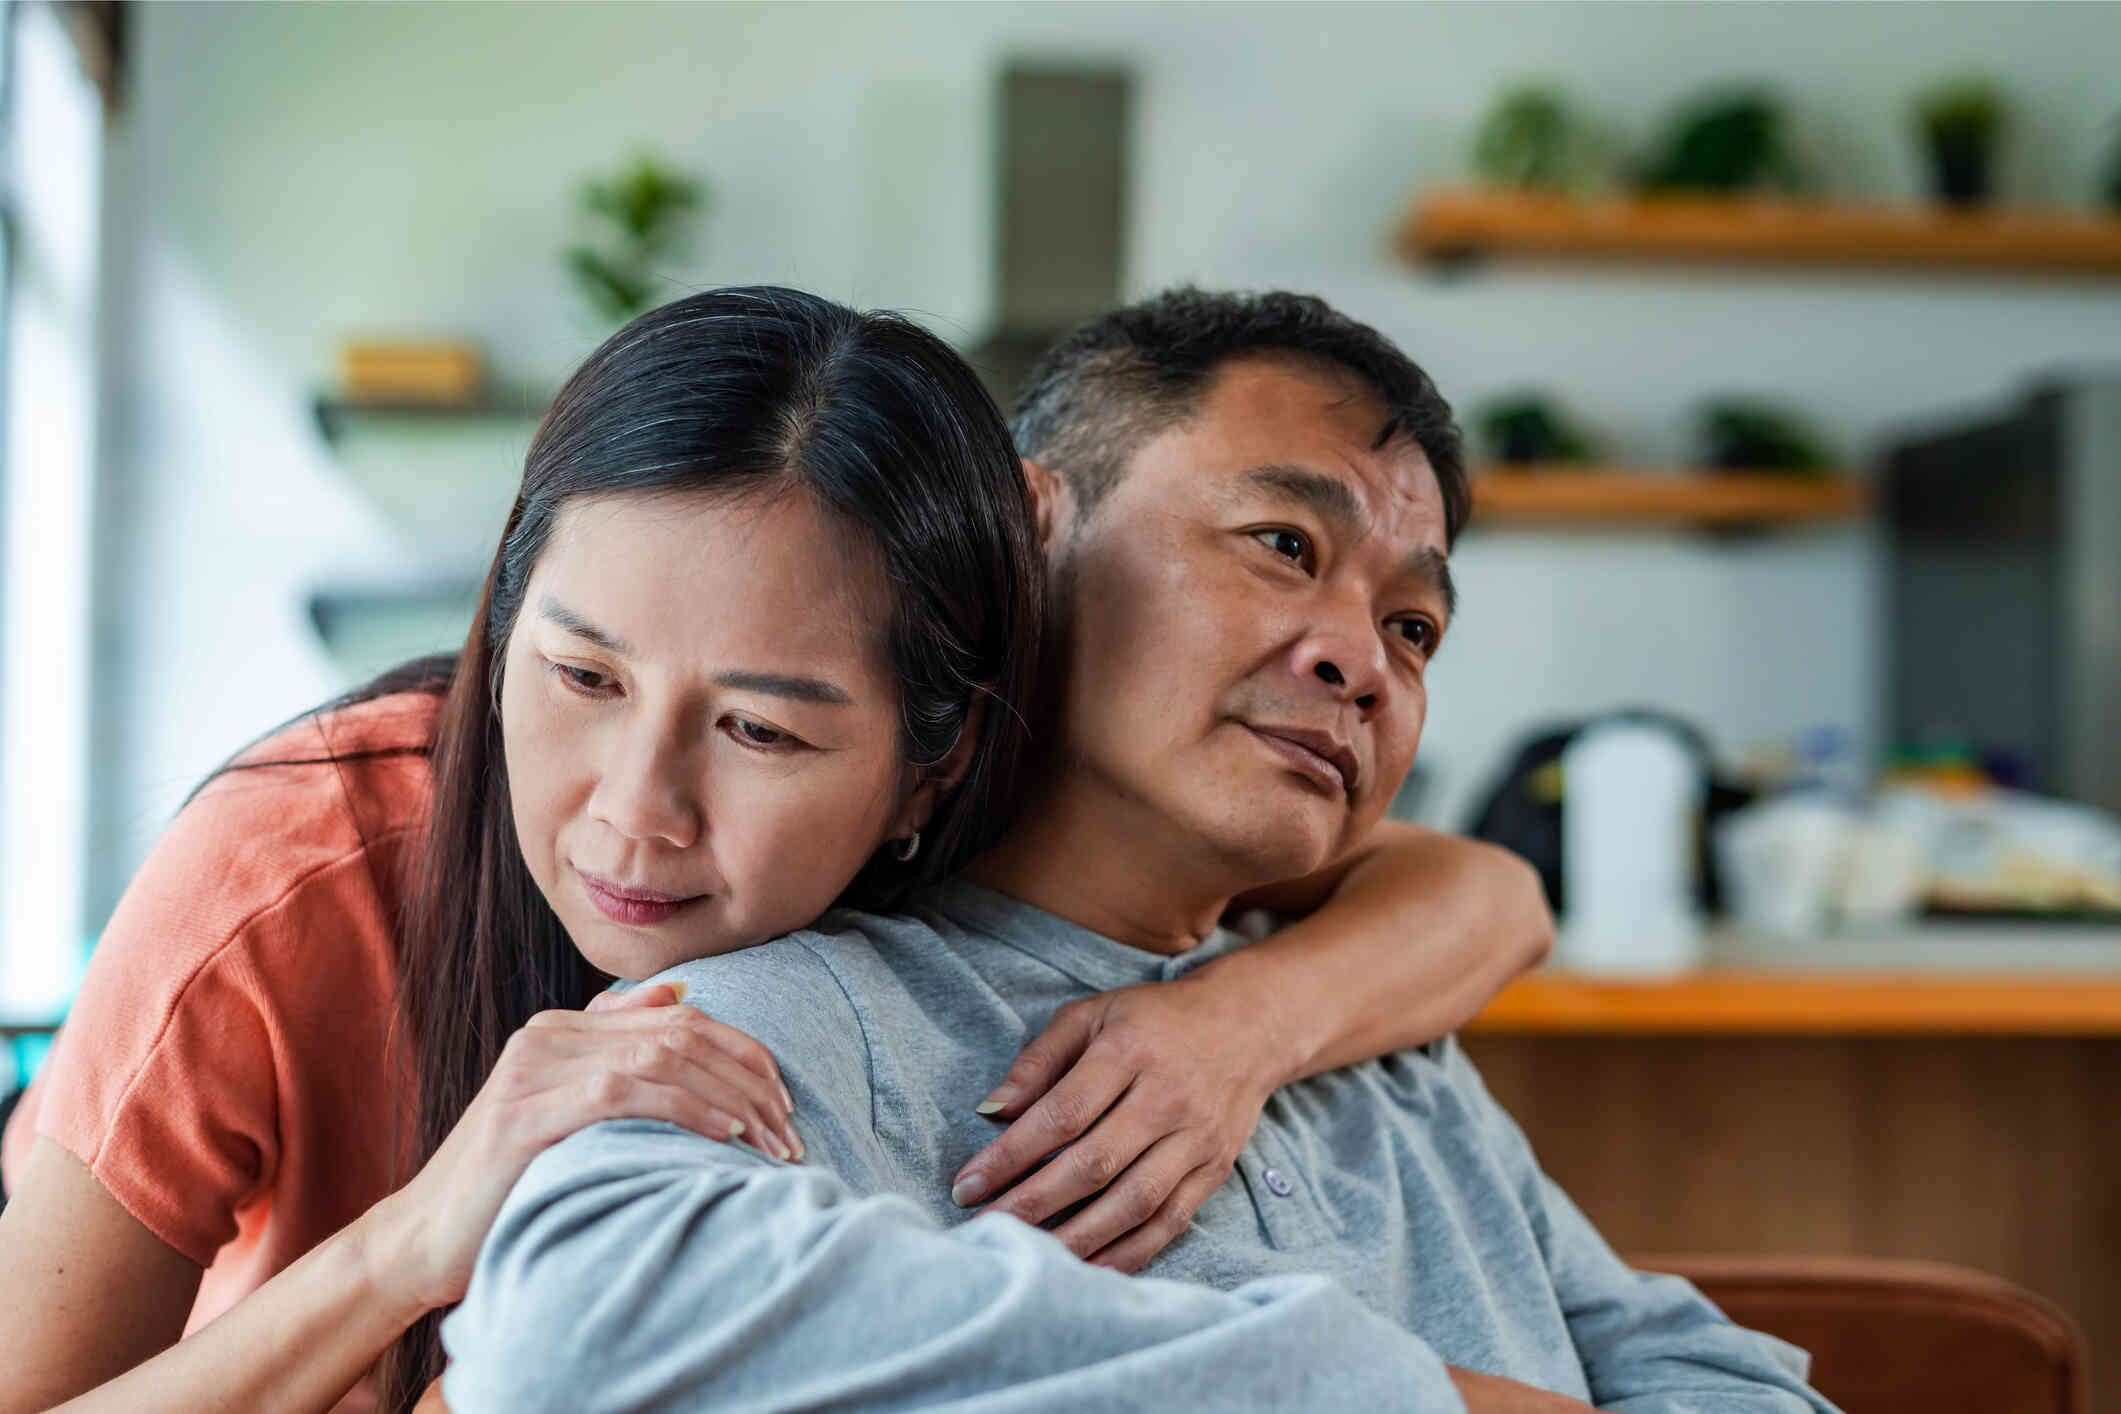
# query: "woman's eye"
[[756, 733], [583, 680], [1285, 543]]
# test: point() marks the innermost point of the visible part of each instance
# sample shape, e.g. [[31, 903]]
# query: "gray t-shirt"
[[1385, 1220]]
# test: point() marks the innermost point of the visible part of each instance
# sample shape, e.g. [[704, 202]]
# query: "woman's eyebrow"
[[781, 685], [553, 610]]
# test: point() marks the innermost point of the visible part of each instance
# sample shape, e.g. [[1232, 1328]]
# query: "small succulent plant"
[[641, 215]]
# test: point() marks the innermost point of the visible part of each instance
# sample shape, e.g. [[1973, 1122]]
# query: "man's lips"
[[1321, 755], [633, 903]]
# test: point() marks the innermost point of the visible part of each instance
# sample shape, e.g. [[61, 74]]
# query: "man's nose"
[[646, 791], [1346, 657]]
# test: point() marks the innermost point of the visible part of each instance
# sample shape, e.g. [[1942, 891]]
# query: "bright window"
[[54, 131]]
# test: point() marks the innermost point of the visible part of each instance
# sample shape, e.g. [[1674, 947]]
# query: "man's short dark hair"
[[1113, 383]]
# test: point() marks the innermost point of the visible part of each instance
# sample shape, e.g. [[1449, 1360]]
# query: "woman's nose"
[[646, 791]]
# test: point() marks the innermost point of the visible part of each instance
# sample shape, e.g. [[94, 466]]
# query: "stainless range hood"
[[1062, 200]]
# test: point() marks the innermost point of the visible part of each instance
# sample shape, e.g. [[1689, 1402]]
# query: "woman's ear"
[[1051, 502], [939, 780]]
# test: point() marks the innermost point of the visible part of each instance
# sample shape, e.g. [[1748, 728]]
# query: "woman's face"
[[700, 723]]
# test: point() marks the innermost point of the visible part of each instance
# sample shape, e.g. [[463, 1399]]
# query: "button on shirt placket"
[[1287, 1204]]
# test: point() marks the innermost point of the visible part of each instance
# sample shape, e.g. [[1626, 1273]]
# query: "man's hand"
[[1149, 1093], [1492, 1394]]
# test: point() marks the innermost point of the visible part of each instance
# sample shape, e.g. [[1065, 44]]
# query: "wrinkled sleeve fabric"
[[638, 1267], [1648, 1344]]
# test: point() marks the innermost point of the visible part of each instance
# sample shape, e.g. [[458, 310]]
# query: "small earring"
[[906, 848]]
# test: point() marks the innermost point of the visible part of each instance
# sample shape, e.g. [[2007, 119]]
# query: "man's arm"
[[1648, 1344], [640, 1267]]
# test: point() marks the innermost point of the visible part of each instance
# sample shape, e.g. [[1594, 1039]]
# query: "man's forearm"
[[1405, 942], [638, 1267]]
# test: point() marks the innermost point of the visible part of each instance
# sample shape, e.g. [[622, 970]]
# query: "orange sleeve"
[[164, 1080]]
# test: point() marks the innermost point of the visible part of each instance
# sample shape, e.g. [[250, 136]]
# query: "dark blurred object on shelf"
[[1960, 122], [1522, 811], [2112, 190], [1726, 142], [1741, 435], [1063, 212], [2003, 570], [1530, 427]]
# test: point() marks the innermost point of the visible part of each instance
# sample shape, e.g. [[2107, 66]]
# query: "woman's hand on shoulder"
[[1148, 1094], [636, 1055]]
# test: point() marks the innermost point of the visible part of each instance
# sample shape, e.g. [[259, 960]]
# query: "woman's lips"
[[638, 907]]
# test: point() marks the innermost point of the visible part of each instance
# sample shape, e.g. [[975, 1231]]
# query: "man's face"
[[1251, 611]]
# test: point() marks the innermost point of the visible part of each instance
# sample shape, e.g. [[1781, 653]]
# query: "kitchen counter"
[[1944, 978]]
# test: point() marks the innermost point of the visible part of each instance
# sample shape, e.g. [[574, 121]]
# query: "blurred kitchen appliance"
[[2003, 588], [1630, 839], [1062, 209]]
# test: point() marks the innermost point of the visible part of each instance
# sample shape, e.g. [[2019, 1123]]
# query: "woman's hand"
[[1149, 1093], [631, 1056]]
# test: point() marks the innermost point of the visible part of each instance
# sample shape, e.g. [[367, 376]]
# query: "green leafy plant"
[[1742, 435], [1531, 138], [1960, 123], [1728, 142], [641, 217], [1530, 427]]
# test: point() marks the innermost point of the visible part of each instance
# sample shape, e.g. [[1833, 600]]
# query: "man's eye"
[[584, 680], [1285, 543], [756, 733], [1419, 632]]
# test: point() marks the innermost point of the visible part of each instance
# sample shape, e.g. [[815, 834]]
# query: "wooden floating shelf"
[[332, 414], [1717, 1002], [1457, 223], [1588, 495]]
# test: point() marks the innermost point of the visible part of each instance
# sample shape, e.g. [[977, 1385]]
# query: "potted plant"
[[1531, 138], [1724, 143], [640, 216], [1530, 427], [1960, 122], [1741, 435]]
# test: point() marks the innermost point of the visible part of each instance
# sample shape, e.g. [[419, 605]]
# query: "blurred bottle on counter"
[[1636, 789]]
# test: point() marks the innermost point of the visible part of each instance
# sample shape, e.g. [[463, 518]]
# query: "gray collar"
[[1096, 961]]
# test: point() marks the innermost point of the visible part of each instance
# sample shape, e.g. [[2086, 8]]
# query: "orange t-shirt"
[[225, 1072]]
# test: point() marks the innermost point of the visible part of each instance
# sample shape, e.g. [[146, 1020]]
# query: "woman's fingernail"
[[798, 1148], [736, 1129], [780, 1150], [968, 1190], [1004, 1095], [677, 991], [990, 1107], [787, 1100]]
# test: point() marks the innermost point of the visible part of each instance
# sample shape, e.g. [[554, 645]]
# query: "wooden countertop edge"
[[1808, 1004]]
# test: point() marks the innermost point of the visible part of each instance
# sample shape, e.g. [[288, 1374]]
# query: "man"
[[1248, 505]]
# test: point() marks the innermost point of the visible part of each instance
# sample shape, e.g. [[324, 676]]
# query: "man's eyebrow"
[[1328, 497], [782, 685], [1431, 566], [580, 627]]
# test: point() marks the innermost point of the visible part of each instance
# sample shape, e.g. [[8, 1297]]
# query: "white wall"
[[296, 173]]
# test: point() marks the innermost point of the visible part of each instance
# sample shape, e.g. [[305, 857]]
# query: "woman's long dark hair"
[[731, 393]]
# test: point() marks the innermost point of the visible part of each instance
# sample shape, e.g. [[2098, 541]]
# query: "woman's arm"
[[92, 1300], [1150, 1092], [1403, 941]]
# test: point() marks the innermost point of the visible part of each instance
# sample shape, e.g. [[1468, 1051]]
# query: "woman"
[[775, 560]]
